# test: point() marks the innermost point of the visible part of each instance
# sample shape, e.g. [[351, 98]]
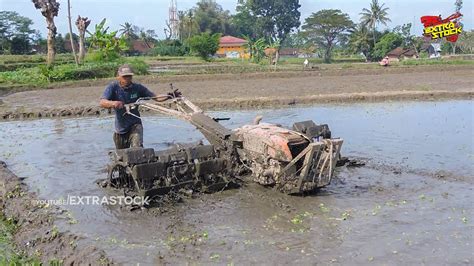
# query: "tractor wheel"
[[119, 178]]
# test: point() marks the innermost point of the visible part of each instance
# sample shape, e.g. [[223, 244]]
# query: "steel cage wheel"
[[119, 178]]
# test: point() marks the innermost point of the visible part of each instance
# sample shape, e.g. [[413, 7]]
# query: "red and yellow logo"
[[436, 27]]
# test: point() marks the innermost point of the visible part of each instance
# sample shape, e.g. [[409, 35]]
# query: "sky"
[[152, 14]]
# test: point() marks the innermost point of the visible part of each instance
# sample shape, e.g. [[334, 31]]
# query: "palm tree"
[[376, 14], [187, 25], [147, 37], [359, 40], [128, 31]]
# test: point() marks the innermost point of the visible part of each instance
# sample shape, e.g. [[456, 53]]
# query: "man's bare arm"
[[161, 98], [104, 103]]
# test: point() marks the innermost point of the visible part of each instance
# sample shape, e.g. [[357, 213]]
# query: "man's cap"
[[125, 70]]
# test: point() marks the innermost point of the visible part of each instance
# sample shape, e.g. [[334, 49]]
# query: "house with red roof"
[[232, 47]]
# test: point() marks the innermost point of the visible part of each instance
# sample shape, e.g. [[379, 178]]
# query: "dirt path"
[[262, 90]]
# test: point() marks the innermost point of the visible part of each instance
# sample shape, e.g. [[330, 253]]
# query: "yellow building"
[[232, 47]]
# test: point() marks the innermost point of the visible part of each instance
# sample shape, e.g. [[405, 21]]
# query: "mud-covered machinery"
[[292, 161], [144, 172]]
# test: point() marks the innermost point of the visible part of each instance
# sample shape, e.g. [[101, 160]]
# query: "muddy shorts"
[[133, 138]]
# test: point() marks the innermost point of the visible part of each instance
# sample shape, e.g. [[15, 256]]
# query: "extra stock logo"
[[436, 27]]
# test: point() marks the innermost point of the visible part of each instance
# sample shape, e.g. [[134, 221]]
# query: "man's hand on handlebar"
[[174, 94], [104, 103], [159, 98], [117, 104]]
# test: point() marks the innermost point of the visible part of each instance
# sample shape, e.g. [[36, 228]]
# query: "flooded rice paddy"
[[411, 203]]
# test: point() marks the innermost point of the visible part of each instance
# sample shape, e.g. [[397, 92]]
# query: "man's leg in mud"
[[121, 141], [135, 137]]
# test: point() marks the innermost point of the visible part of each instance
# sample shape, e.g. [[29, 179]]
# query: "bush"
[[41, 75], [71, 72], [139, 66], [99, 56], [204, 44]]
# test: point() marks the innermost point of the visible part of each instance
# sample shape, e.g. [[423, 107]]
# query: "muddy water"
[[412, 203]]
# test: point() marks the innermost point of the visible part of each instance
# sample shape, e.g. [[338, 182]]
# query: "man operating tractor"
[[128, 125]]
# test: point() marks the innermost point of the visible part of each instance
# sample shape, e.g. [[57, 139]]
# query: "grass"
[[227, 69], [336, 60], [14, 62], [41, 75], [8, 254], [419, 62], [11, 59], [172, 59]]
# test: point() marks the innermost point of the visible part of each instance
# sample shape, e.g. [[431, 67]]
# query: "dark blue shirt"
[[113, 92]]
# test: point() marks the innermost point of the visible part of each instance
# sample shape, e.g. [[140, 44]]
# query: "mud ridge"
[[36, 234], [251, 103]]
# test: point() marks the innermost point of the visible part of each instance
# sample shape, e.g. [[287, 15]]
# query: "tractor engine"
[[294, 161]]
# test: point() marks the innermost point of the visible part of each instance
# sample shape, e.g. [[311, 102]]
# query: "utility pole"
[[70, 32]]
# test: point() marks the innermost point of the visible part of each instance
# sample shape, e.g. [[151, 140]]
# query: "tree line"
[[264, 24]]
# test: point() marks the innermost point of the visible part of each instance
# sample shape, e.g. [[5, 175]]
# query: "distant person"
[[306, 63], [128, 128], [385, 61]]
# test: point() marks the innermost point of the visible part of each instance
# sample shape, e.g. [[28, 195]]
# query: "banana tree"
[[107, 44], [256, 48]]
